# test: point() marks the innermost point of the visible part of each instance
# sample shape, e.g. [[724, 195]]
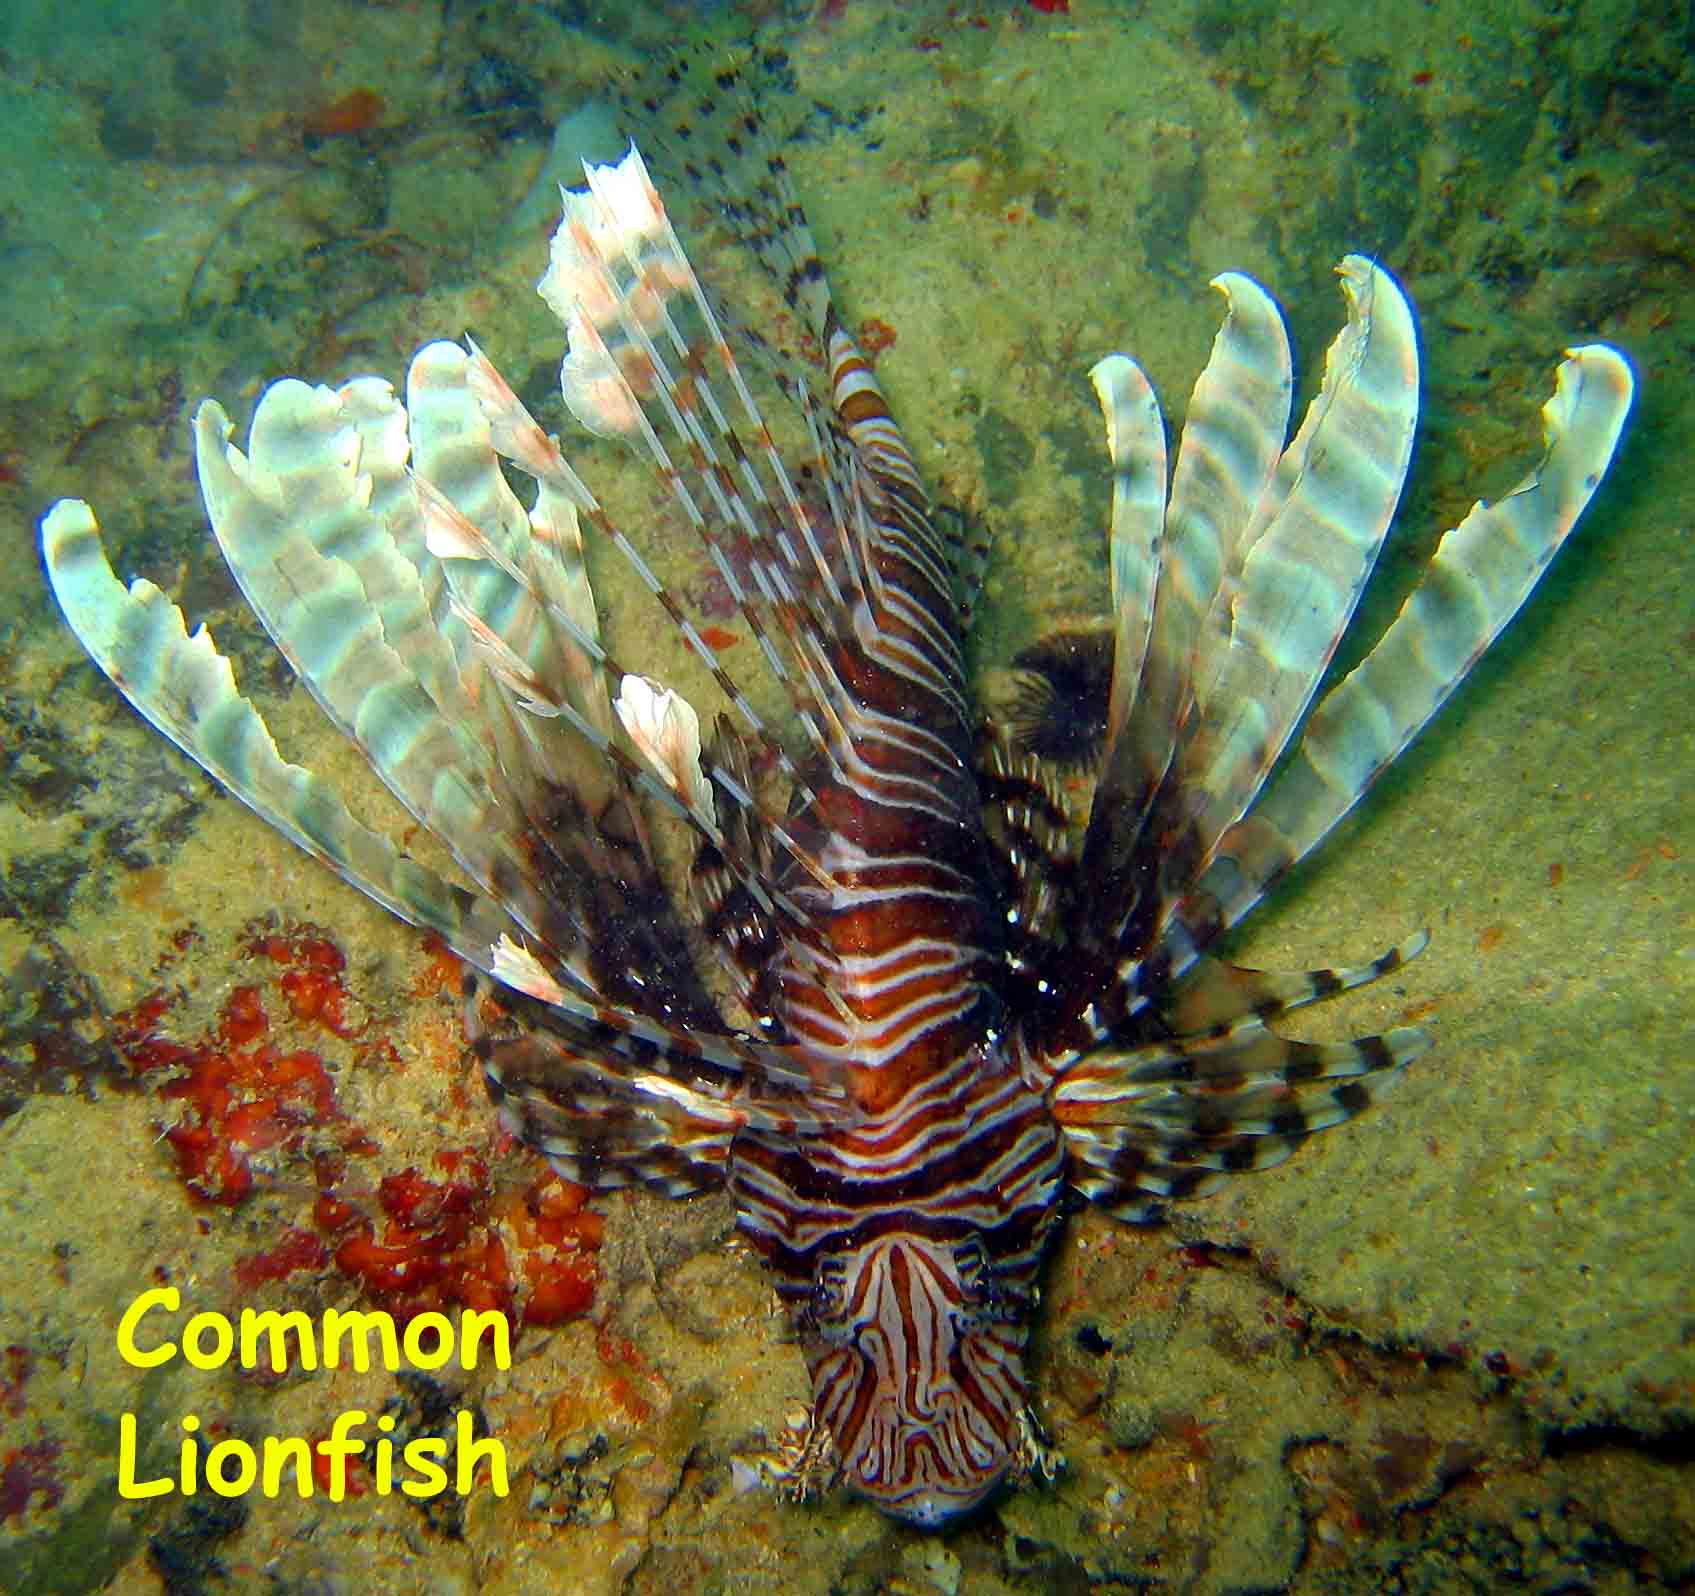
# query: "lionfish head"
[[917, 1361]]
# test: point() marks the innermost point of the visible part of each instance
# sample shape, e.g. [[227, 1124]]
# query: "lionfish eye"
[[982, 1295], [976, 1278], [828, 1304]]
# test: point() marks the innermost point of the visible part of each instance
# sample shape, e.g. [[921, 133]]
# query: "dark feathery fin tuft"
[[744, 935], [1061, 695], [1029, 831]]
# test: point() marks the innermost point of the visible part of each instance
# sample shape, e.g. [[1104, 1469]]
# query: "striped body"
[[909, 1239], [905, 1209], [904, 1008]]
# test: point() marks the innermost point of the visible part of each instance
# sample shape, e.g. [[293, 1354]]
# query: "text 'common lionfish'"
[[906, 1007]]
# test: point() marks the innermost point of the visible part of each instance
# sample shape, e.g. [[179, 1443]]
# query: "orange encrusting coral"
[[236, 1099], [442, 1246], [311, 980], [298, 1250], [559, 1237], [433, 1251], [428, 1244]]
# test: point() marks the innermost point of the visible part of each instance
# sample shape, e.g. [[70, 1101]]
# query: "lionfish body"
[[937, 1010]]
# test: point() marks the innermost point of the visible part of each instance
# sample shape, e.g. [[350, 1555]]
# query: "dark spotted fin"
[[1175, 1119], [707, 128], [705, 121], [610, 1109]]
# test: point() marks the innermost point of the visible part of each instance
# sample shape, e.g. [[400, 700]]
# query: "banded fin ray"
[[1171, 566], [1213, 994], [526, 582], [1232, 452], [1143, 1145], [1135, 442], [184, 687], [473, 778], [878, 671], [1200, 862], [271, 509], [1028, 826], [1216, 1091], [743, 934], [1325, 516], [1224, 1085], [610, 1108], [1264, 558], [1481, 574], [705, 131], [644, 346]]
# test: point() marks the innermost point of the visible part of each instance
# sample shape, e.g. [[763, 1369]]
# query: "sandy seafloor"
[[1448, 1348]]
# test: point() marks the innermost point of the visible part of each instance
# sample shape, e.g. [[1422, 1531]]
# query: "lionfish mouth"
[[959, 1492], [925, 1491], [935, 1507]]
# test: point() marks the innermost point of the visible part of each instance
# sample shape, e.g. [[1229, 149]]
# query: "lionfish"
[[902, 1007]]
